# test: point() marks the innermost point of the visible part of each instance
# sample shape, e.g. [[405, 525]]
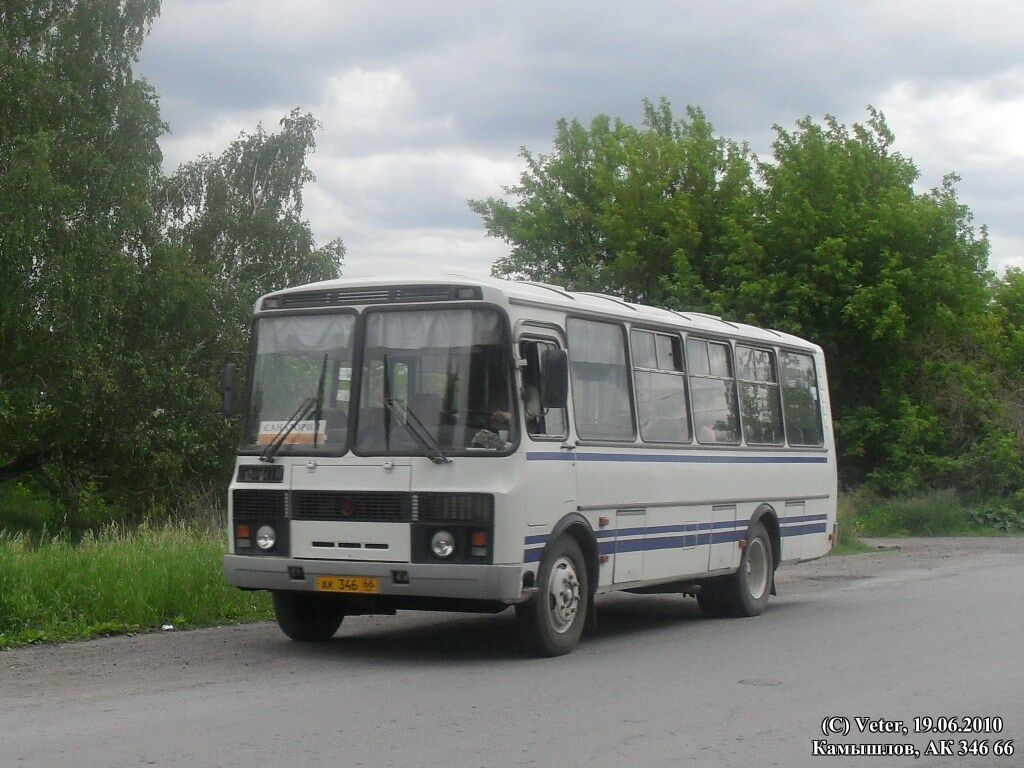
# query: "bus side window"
[[760, 406], [660, 387], [800, 400], [712, 392], [540, 422]]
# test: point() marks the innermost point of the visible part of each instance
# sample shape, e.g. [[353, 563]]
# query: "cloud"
[[425, 105], [977, 123], [973, 129]]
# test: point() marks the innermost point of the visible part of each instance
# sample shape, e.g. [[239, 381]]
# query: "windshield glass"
[[435, 379], [292, 354]]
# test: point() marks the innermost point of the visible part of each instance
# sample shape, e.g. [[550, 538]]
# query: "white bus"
[[470, 445]]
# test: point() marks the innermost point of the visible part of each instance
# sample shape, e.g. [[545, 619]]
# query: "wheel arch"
[[766, 515], [578, 527]]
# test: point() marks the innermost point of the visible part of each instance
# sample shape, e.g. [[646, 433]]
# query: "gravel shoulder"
[[167, 661]]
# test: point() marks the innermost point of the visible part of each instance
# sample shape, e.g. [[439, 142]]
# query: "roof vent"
[[374, 294]]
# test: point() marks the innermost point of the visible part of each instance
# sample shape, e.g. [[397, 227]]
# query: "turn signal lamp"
[[478, 544]]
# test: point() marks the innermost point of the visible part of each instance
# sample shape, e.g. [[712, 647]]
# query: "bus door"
[[550, 475]]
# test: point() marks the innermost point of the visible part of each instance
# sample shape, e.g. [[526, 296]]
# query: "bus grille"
[[361, 506], [258, 503], [456, 508]]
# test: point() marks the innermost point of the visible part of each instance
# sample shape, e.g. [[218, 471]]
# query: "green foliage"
[[78, 153], [848, 542], [930, 513], [647, 213], [123, 292], [115, 582], [238, 216], [26, 507], [829, 240]]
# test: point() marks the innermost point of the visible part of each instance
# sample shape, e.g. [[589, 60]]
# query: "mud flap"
[[591, 624], [773, 584]]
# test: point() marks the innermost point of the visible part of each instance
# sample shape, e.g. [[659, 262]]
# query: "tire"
[[746, 592], [307, 618], [551, 622]]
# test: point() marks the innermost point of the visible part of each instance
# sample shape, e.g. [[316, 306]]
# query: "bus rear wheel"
[[744, 593], [307, 618], [552, 621]]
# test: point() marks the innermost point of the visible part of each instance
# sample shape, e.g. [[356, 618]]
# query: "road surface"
[[925, 628]]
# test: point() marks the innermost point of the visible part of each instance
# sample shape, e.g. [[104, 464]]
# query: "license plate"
[[362, 585]]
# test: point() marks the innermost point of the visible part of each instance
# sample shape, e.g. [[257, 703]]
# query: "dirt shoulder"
[[892, 557]]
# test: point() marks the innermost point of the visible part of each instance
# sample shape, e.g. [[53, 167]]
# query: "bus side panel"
[[682, 512]]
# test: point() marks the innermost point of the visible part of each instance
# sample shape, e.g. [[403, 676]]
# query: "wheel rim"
[[563, 595], [757, 569]]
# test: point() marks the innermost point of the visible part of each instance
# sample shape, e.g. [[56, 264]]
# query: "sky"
[[426, 105]]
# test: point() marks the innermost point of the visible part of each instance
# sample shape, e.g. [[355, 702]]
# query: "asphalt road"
[[931, 628]]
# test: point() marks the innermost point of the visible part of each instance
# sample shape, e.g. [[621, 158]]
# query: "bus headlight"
[[442, 543], [266, 537]]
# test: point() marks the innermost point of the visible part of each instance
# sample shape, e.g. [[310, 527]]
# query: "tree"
[[78, 156], [828, 239], [123, 292], [645, 213], [238, 217], [891, 282]]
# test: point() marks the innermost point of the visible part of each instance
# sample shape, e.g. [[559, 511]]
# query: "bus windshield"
[[435, 382], [294, 356]]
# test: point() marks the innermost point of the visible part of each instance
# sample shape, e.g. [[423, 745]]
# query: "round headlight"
[[442, 543], [266, 537]]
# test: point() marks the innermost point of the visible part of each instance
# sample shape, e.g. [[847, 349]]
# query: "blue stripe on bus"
[[721, 524], [609, 546], [671, 458]]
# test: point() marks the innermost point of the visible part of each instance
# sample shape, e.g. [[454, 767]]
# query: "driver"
[[490, 436]]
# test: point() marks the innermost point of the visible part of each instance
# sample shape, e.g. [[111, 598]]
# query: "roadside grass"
[[848, 542], [931, 513], [117, 581]]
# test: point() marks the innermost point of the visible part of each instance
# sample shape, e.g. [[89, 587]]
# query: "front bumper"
[[471, 582]]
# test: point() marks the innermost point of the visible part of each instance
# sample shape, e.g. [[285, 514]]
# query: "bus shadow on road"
[[448, 637], [455, 638]]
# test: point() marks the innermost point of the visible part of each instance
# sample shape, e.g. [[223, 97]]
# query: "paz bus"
[[473, 445]]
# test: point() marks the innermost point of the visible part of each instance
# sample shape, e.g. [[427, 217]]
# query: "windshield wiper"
[[319, 401], [420, 433], [308, 406], [275, 444]]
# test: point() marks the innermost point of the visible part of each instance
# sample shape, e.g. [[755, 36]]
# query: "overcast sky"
[[425, 105]]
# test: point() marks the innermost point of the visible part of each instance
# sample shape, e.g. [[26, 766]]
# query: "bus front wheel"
[[307, 618], [744, 593], [552, 621]]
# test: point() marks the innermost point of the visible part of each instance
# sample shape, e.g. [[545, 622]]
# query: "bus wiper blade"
[[438, 456], [275, 444], [420, 433], [319, 401]]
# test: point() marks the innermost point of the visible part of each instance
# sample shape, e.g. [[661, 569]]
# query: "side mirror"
[[554, 386], [228, 385]]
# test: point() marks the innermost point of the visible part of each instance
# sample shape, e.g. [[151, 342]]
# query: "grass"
[[117, 581], [930, 513]]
